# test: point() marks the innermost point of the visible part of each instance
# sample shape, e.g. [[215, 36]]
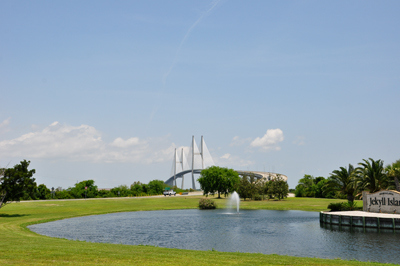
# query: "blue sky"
[[106, 90]]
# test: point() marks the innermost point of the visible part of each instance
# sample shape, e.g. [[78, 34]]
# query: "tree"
[[372, 175], [120, 191], [305, 187], [393, 173], [247, 186], [268, 189], [62, 194], [260, 189], [137, 188], [156, 187], [78, 191], [218, 179], [343, 180], [15, 182], [280, 187], [43, 192], [310, 186], [318, 187]]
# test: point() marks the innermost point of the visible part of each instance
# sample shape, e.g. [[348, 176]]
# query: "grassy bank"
[[19, 246]]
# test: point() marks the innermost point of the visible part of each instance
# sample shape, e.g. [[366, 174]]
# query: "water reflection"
[[294, 233]]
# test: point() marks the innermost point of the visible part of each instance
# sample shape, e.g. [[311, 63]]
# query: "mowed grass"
[[20, 246]]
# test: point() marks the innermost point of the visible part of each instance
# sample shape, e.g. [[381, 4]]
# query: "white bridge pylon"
[[196, 161]]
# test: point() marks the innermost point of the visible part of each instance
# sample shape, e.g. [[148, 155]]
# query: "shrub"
[[344, 206], [335, 207], [258, 197], [350, 206], [207, 204], [299, 192]]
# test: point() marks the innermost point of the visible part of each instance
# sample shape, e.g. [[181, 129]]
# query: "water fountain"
[[234, 201]]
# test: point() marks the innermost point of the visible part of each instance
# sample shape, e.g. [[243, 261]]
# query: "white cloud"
[[232, 161], [5, 123], [119, 142], [225, 156], [270, 140], [237, 141], [300, 140], [84, 143]]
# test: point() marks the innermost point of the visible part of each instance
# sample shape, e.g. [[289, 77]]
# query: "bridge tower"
[[195, 152], [198, 160], [178, 164]]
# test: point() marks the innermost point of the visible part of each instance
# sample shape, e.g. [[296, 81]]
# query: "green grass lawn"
[[20, 246]]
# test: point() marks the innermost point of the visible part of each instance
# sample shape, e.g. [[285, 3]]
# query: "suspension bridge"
[[199, 159]]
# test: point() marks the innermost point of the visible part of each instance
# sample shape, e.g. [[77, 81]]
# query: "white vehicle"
[[169, 192]]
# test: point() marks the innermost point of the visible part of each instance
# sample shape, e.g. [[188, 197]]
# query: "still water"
[[294, 233]]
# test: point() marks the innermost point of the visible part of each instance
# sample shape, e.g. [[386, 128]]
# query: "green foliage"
[[137, 188], [258, 197], [372, 175], [251, 188], [344, 206], [206, 203], [247, 186], [62, 194], [78, 191], [268, 189], [310, 186], [304, 188], [351, 206], [348, 183], [43, 192], [104, 193], [318, 187], [178, 190], [299, 191], [393, 173], [145, 188], [332, 187], [120, 191], [17, 183], [280, 188], [335, 206], [156, 187], [343, 180], [218, 179]]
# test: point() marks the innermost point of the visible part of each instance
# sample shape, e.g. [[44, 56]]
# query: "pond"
[[294, 233]]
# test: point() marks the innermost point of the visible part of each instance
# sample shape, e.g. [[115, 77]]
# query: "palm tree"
[[343, 180], [393, 173], [372, 175]]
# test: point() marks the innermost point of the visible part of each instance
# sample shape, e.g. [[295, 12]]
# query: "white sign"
[[385, 201]]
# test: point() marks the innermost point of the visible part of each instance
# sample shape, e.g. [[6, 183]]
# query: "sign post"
[[85, 191]]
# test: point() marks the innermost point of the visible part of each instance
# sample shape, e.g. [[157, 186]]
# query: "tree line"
[[88, 189], [17, 183], [224, 181], [349, 182]]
